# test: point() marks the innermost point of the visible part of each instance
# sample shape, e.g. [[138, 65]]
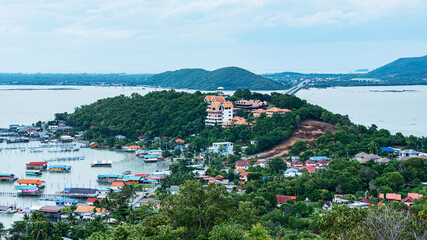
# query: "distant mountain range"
[[230, 78]]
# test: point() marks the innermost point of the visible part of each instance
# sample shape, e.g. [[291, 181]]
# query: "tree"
[[395, 180], [298, 147], [198, 208], [227, 231], [258, 232], [277, 165]]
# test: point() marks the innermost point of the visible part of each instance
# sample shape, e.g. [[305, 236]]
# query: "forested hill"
[[414, 67], [231, 78]]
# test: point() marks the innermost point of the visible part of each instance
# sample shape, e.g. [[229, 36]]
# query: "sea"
[[396, 108]]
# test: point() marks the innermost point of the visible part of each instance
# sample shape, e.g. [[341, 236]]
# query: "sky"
[[262, 36]]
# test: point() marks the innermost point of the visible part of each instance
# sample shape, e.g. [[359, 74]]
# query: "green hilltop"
[[413, 67], [231, 78]]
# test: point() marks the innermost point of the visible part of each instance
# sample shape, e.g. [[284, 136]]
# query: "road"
[[151, 190]]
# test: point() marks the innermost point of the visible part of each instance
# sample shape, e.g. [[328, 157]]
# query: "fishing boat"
[[110, 178], [36, 165], [8, 209], [93, 145], [33, 172], [9, 177], [100, 164], [59, 168]]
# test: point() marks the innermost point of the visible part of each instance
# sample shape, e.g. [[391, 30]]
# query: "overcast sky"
[[137, 36]]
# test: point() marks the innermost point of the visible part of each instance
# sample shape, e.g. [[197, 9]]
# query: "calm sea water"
[[396, 108]]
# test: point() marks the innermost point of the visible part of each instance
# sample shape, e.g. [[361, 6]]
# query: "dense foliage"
[[230, 78]]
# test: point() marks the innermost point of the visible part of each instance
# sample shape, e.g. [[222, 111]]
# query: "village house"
[[222, 148], [292, 172], [244, 164], [311, 163], [382, 160], [235, 121], [297, 164], [409, 200], [309, 169], [322, 164], [409, 153], [365, 157], [270, 112], [250, 104], [260, 164], [282, 199]]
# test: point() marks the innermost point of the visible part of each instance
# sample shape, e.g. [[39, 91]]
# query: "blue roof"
[[151, 181], [319, 158], [26, 188], [387, 149], [179, 147], [155, 150], [110, 176], [133, 178], [290, 170], [150, 156], [6, 174], [60, 166], [66, 200]]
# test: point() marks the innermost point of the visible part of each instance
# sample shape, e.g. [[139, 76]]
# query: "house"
[[90, 201], [270, 112], [243, 164], [297, 164], [81, 192], [66, 138], [391, 197], [260, 164], [142, 138], [390, 150], [117, 185], [239, 170], [365, 157], [157, 152], [310, 163], [382, 160], [292, 172], [145, 201], [235, 121], [402, 158], [173, 189], [309, 169], [281, 199], [244, 176], [250, 104], [83, 209], [358, 205], [179, 140], [51, 211], [132, 180], [31, 182], [222, 148], [409, 153], [66, 202], [409, 200], [318, 158], [323, 163]]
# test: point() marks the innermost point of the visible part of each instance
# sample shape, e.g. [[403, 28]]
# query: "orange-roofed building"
[[393, 197], [30, 182], [82, 209], [179, 140], [134, 147], [219, 177], [271, 111], [117, 185], [211, 98], [309, 169], [240, 170], [409, 200], [219, 112]]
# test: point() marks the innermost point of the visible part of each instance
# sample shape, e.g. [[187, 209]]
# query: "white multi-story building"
[[218, 112], [223, 148]]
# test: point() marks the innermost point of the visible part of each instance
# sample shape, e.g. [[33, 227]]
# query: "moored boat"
[[59, 168], [101, 164], [36, 165], [33, 172], [8, 209], [8, 177]]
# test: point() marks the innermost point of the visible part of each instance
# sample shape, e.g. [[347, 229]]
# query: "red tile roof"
[[393, 196], [243, 163], [365, 200], [283, 198]]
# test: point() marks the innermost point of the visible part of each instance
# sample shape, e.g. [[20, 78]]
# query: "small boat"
[[8, 209], [93, 145], [59, 168], [33, 172], [36, 165], [8, 177], [100, 164]]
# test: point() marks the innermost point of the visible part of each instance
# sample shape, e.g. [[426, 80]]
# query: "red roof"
[[310, 162], [179, 140], [365, 200], [283, 198], [36, 163], [297, 162], [309, 169], [244, 174], [393, 196], [144, 175], [91, 200], [323, 161]]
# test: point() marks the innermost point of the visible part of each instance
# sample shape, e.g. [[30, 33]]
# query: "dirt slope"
[[308, 132]]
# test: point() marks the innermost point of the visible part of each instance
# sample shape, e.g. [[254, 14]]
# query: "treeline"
[[121, 79]]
